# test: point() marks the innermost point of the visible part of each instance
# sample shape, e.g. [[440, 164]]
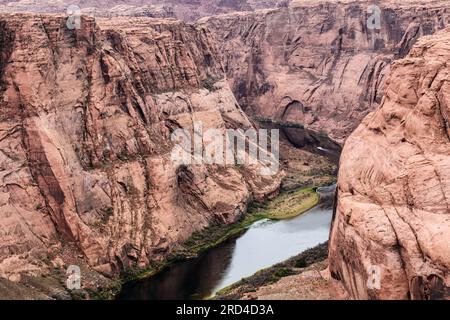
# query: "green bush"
[[208, 84], [301, 263], [283, 272]]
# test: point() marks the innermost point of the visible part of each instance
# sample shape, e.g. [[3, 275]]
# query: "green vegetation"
[[209, 83], [301, 262], [107, 293], [290, 204], [281, 273]]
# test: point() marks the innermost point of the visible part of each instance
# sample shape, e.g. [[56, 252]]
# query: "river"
[[262, 245]]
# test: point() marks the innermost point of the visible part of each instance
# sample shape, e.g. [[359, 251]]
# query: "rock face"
[[181, 9], [192, 10], [150, 11], [391, 234], [93, 8], [319, 63], [85, 165]]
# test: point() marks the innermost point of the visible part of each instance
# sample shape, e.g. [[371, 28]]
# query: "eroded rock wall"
[[189, 10], [85, 167], [318, 63], [391, 234]]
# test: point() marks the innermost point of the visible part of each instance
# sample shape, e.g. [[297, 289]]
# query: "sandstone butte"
[[393, 210], [317, 62], [85, 168]]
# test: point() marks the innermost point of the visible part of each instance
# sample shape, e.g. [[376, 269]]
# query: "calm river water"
[[264, 244]]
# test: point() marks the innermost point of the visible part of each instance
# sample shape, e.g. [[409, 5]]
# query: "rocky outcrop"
[[108, 9], [102, 10], [181, 9], [150, 11], [86, 174], [192, 10], [391, 234], [322, 64]]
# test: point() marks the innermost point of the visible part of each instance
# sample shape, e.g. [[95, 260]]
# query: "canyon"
[[86, 173], [85, 138], [318, 63], [188, 10]]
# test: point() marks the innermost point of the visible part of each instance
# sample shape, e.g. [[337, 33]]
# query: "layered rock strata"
[[391, 234], [188, 10], [86, 173], [322, 64]]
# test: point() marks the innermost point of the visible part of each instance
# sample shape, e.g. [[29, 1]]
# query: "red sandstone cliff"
[[393, 209], [85, 168], [316, 62], [181, 9]]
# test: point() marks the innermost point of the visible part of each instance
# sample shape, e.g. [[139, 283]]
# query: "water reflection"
[[191, 279], [264, 244]]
